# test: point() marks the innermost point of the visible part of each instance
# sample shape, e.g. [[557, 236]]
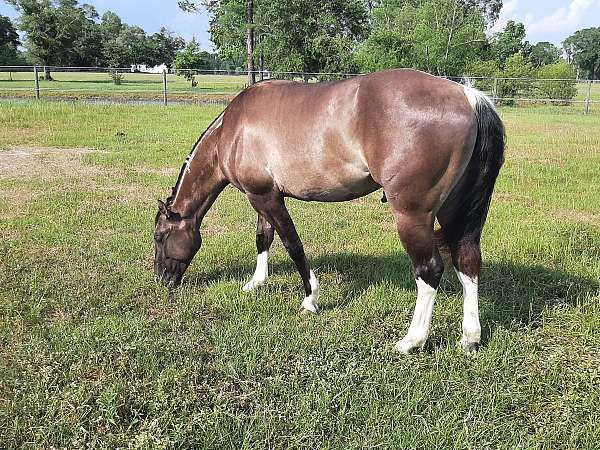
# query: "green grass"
[[94, 354]]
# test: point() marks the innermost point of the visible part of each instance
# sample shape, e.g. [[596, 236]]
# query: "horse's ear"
[[163, 208]]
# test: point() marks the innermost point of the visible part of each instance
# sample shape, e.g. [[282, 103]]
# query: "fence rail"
[[133, 84]]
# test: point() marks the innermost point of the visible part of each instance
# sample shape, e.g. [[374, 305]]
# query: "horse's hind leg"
[[463, 239], [264, 238], [272, 208], [466, 257], [416, 233]]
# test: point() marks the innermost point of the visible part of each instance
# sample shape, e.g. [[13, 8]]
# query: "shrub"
[[516, 76], [117, 77], [565, 89], [482, 74]]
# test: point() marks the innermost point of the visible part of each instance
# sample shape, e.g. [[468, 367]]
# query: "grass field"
[[94, 354]]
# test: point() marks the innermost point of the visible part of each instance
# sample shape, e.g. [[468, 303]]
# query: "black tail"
[[465, 211]]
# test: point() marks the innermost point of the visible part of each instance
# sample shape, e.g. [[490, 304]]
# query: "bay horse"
[[433, 145]]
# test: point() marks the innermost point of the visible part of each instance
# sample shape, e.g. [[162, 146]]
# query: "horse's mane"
[[187, 162]]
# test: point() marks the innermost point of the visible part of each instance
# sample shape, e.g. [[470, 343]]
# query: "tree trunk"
[[250, 42], [262, 66], [47, 75]]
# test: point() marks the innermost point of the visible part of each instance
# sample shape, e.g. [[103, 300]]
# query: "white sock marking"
[[310, 302], [260, 274], [471, 327], [421, 321]]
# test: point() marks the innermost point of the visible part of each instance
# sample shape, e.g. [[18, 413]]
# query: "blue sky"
[[545, 20]]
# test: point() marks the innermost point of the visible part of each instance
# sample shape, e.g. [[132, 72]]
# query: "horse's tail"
[[465, 211]]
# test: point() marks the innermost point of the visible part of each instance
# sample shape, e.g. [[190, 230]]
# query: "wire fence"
[[162, 85]]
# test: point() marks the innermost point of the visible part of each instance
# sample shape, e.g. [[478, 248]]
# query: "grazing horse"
[[434, 146]]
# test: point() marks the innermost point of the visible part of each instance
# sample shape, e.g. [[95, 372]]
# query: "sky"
[[545, 20]]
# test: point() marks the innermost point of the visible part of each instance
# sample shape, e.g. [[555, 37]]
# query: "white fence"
[[127, 84]]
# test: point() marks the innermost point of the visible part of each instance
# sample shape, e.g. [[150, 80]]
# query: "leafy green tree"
[[191, 57], [9, 42], [390, 43], [291, 35], [583, 50], [162, 47], [53, 29], [561, 84], [490, 8], [516, 78], [312, 36], [544, 53], [438, 36], [509, 42]]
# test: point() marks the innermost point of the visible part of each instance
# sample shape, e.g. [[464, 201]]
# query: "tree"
[[438, 36], [240, 14], [291, 35], [561, 84], [191, 57], [516, 73], [163, 47], [544, 53], [9, 42], [509, 42], [583, 50], [53, 29], [312, 36], [490, 8]]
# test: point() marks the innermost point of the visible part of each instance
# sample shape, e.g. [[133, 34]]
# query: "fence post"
[[37, 82], [165, 98], [495, 91], [588, 97]]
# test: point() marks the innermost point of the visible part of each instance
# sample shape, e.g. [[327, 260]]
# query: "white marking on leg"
[[310, 302], [421, 321], [260, 274], [471, 327]]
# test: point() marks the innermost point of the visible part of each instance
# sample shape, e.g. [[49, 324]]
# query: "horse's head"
[[177, 240]]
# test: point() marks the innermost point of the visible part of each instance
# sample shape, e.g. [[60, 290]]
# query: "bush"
[[482, 74], [565, 89], [117, 77], [516, 79]]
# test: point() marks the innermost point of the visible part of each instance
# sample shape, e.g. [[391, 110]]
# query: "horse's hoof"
[[470, 348], [408, 346], [252, 285], [309, 307]]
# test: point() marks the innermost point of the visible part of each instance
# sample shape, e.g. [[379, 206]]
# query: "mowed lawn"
[[94, 354]]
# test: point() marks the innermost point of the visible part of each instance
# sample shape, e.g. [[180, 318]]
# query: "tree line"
[[443, 37]]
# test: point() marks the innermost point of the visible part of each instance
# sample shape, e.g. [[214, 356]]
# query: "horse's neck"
[[199, 186]]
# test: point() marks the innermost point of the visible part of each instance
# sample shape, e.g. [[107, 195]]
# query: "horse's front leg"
[[264, 239], [272, 207]]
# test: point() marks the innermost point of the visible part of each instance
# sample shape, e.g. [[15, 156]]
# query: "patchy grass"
[[93, 353]]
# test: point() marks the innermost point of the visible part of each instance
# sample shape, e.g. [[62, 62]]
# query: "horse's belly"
[[336, 185]]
